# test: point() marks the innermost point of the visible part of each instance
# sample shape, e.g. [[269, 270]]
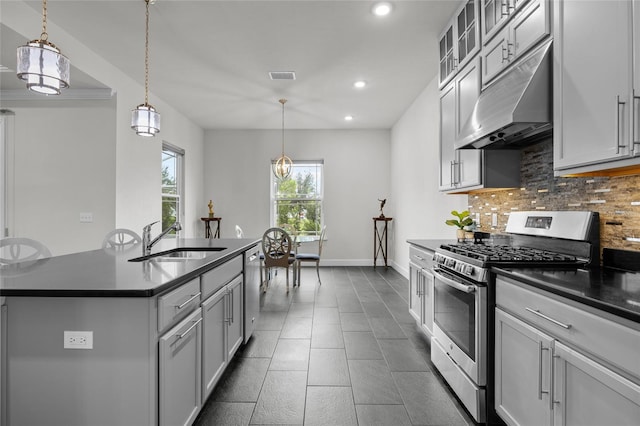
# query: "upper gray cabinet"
[[459, 41], [521, 30], [596, 87], [495, 14]]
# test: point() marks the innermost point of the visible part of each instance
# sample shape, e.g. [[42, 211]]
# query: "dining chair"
[[15, 250], [276, 247], [121, 239], [312, 257]]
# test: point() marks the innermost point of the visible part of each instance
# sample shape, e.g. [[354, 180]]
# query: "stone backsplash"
[[617, 199]]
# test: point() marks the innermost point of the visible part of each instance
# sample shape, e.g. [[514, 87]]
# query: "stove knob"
[[469, 270]]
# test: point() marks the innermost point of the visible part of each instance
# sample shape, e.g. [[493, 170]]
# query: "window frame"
[[319, 196], [179, 155]]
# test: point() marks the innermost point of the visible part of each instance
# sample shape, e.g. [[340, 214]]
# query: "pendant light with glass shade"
[[282, 166], [41, 64], [145, 120]]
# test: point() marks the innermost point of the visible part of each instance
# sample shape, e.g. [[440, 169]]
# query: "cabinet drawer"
[[420, 257], [215, 279], [564, 319], [176, 304]]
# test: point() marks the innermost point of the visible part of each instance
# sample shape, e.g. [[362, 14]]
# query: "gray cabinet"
[[529, 26], [559, 362], [460, 40], [214, 340], [459, 168], [180, 357], [421, 288], [596, 85]]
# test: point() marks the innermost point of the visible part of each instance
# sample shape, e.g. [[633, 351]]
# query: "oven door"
[[460, 322]]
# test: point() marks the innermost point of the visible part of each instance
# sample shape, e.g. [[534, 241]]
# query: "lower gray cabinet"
[[214, 340], [180, 372], [222, 332], [236, 317]]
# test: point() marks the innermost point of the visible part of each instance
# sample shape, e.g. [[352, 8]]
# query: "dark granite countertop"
[[610, 290], [108, 273], [430, 245]]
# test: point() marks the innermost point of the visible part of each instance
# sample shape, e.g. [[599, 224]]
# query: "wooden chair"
[[121, 239], [16, 250], [312, 257], [276, 248]]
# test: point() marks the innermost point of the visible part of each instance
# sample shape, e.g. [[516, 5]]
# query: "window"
[[172, 185], [297, 200]]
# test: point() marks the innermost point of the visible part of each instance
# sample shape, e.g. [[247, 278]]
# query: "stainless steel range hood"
[[516, 109]]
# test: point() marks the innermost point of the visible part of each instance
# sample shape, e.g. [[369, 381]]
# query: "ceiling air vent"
[[282, 75]]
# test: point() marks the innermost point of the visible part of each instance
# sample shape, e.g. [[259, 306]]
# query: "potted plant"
[[463, 219]]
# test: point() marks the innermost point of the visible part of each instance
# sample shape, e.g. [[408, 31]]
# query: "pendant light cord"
[[146, 57], [283, 101], [44, 36]]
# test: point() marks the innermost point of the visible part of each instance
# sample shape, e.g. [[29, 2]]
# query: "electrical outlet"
[[78, 340], [494, 219], [86, 217]]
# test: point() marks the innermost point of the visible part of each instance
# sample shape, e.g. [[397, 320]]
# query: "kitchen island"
[[94, 338]]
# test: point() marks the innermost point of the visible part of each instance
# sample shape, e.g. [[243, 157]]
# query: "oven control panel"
[[461, 267]]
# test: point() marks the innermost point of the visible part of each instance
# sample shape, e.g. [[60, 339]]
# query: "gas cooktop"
[[506, 253]]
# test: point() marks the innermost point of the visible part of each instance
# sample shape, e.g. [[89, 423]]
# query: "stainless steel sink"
[[180, 254]]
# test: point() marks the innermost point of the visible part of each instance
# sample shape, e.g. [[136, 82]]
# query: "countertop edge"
[[594, 303]]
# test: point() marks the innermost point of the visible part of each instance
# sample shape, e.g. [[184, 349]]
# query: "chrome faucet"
[[147, 243]]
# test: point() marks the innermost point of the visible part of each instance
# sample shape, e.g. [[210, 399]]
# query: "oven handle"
[[452, 283]]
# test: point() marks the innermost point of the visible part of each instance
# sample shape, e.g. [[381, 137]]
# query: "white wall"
[[356, 167], [60, 168], [419, 209], [137, 164]]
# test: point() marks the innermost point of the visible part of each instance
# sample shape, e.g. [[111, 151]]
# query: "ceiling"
[[211, 59]]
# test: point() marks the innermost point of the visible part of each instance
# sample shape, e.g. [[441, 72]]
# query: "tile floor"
[[346, 352]]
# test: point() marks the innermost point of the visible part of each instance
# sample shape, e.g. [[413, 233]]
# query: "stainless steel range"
[[464, 298]]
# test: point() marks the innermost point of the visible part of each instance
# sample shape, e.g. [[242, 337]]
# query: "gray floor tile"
[[376, 310], [226, 414], [372, 382], [327, 336], [303, 296], [242, 381], [349, 304], [401, 355], [291, 355], [261, 345], [301, 310], [361, 345], [386, 328], [282, 398], [354, 321], [426, 400], [296, 328], [329, 406], [382, 415], [271, 320], [328, 367], [326, 315]]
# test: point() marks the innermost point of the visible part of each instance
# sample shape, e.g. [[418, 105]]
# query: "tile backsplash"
[[617, 199]]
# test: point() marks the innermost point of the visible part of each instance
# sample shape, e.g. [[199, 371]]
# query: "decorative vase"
[[460, 235]]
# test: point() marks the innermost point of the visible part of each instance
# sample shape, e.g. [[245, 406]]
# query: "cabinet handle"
[[253, 257], [636, 120], [540, 349], [541, 315], [186, 302], [552, 395], [451, 174], [618, 103], [233, 316], [189, 329], [420, 258]]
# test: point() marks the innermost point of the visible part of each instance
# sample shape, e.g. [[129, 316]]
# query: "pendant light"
[[145, 120], [41, 64], [282, 166]]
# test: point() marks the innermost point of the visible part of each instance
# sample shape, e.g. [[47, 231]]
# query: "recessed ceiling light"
[[382, 9], [348, 118], [359, 84]]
